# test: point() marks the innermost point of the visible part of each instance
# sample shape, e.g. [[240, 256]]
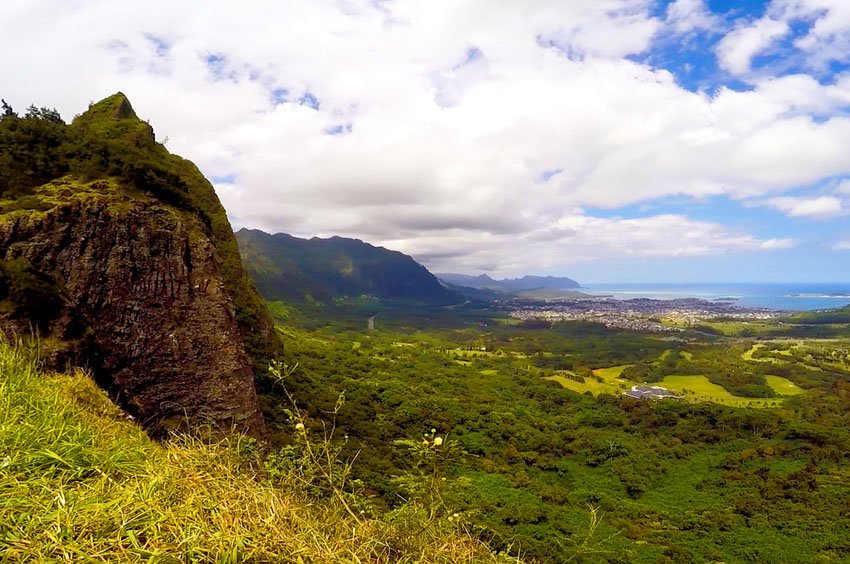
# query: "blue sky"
[[606, 140], [694, 62]]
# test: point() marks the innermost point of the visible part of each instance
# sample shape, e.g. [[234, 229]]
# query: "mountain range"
[[285, 267], [485, 282]]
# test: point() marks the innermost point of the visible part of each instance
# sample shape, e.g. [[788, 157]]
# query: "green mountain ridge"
[[284, 267]]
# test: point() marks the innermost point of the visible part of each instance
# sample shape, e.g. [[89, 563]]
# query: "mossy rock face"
[[140, 243], [114, 107]]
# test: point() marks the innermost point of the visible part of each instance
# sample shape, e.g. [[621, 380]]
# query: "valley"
[[746, 466]]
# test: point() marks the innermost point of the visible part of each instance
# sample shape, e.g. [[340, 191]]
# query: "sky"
[[605, 140]]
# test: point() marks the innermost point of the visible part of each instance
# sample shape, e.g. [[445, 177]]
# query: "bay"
[[777, 296]]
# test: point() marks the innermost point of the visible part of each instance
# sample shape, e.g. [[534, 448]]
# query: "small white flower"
[[299, 427], [438, 441]]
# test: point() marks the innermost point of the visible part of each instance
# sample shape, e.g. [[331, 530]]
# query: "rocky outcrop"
[[121, 256], [145, 305]]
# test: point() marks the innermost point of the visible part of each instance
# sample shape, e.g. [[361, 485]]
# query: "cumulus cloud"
[[466, 134], [843, 187], [737, 49], [825, 41], [818, 207], [828, 37], [686, 16], [576, 238]]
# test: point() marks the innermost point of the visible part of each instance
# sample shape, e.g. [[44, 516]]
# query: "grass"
[[610, 383], [736, 328], [783, 386], [470, 353], [610, 373], [80, 482], [748, 355], [700, 388], [695, 388]]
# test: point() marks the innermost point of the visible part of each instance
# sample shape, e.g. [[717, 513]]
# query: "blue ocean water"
[[779, 296]]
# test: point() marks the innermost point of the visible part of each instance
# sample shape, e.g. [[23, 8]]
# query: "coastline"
[[766, 296]]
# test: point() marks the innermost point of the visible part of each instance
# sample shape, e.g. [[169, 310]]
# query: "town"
[[638, 314]]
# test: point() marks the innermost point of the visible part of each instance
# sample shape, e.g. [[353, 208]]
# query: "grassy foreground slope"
[[79, 482]]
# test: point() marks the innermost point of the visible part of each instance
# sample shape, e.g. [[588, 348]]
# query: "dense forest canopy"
[[762, 478]]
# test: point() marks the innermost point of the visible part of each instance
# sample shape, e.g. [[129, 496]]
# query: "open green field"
[[689, 356], [748, 355], [731, 328], [792, 347], [695, 388], [610, 383], [699, 388], [592, 385], [783, 386], [612, 372], [470, 353]]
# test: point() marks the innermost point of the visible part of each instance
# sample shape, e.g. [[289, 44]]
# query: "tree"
[[7, 110]]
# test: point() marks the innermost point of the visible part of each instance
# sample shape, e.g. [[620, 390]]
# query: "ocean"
[[778, 296]]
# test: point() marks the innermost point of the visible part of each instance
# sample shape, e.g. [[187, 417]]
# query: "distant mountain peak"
[[527, 282]]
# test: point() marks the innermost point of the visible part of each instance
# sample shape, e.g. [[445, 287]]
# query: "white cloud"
[[843, 187], [737, 49], [826, 40], [576, 238], [842, 246], [456, 110], [685, 16], [817, 207]]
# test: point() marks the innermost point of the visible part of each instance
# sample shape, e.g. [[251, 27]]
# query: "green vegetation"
[[321, 270], [783, 386], [701, 389], [601, 381], [810, 325], [548, 433], [80, 482]]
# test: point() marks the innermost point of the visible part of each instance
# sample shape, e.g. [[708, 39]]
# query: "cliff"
[[137, 268]]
